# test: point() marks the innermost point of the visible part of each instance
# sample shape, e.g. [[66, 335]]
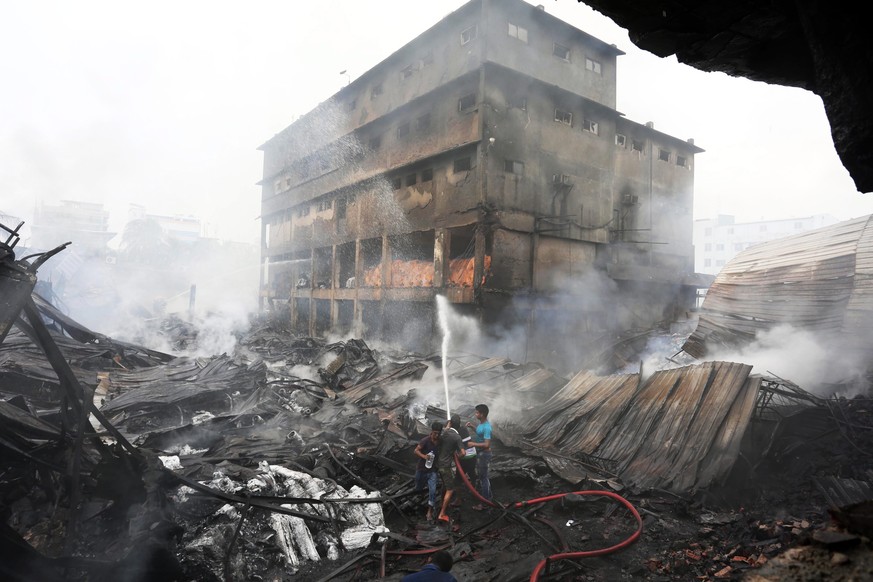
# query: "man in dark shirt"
[[450, 443], [427, 476], [436, 571]]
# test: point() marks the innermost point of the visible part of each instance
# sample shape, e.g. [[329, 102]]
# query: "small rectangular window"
[[469, 35], [340, 207], [513, 167], [561, 52], [423, 122], [636, 145], [798, 225], [590, 126], [518, 32], [461, 165], [620, 140], [563, 117], [377, 90], [707, 247], [467, 102], [396, 183], [411, 180], [664, 155], [325, 205], [352, 104], [719, 247], [707, 231], [519, 102], [707, 262], [592, 65], [375, 142], [403, 129], [427, 175], [681, 161], [427, 60], [719, 263]]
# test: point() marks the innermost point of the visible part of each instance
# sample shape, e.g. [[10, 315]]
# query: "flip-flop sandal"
[[444, 518]]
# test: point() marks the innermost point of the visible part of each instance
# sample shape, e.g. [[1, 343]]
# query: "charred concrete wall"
[[483, 161]]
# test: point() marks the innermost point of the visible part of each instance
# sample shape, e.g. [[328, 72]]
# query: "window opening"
[[561, 52], [563, 117], [461, 165], [513, 167], [518, 32], [468, 35], [467, 102], [592, 65]]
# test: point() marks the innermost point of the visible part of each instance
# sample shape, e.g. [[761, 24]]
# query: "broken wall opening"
[[412, 259], [323, 267], [371, 262], [301, 314], [462, 256], [322, 316], [345, 258], [345, 316]]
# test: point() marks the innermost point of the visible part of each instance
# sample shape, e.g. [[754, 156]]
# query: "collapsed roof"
[[820, 281]]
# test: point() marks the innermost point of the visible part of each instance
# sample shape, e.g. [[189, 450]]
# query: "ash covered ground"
[[291, 459]]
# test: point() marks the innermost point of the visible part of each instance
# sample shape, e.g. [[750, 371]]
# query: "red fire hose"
[[535, 575]]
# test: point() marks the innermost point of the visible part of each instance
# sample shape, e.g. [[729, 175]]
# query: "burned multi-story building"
[[484, 161]]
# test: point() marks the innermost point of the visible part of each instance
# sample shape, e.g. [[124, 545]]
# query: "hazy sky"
[[164, 104]]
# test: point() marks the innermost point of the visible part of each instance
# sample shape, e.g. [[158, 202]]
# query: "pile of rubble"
[[291, 458]]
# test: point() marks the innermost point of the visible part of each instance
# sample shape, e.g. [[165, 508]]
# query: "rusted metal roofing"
[[821, 280], [679, 430]]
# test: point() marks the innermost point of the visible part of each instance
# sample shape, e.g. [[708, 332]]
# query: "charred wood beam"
[[242, 518]]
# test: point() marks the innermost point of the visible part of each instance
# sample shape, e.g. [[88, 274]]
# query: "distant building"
[[183, 228], [718, 240], [85, 224], [484, 161]]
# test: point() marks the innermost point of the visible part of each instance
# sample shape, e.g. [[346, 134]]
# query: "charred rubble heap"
[[124, 463]]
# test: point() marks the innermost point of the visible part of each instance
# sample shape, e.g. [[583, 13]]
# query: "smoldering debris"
[[126, 463]]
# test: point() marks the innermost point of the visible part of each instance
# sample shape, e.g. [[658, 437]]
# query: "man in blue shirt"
[[482, 442], [437, 571]]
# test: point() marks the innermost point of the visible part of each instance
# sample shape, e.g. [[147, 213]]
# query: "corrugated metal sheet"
[[487, 365], [821, 280], [680, 430]]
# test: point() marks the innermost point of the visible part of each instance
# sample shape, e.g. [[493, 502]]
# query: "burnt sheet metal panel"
[[680, 430], [821, 280], [600, 420], [487, 365], [532, 381], [575, 389], [562, 429]]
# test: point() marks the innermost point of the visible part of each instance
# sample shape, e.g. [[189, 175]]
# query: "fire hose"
[[543, 565]]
